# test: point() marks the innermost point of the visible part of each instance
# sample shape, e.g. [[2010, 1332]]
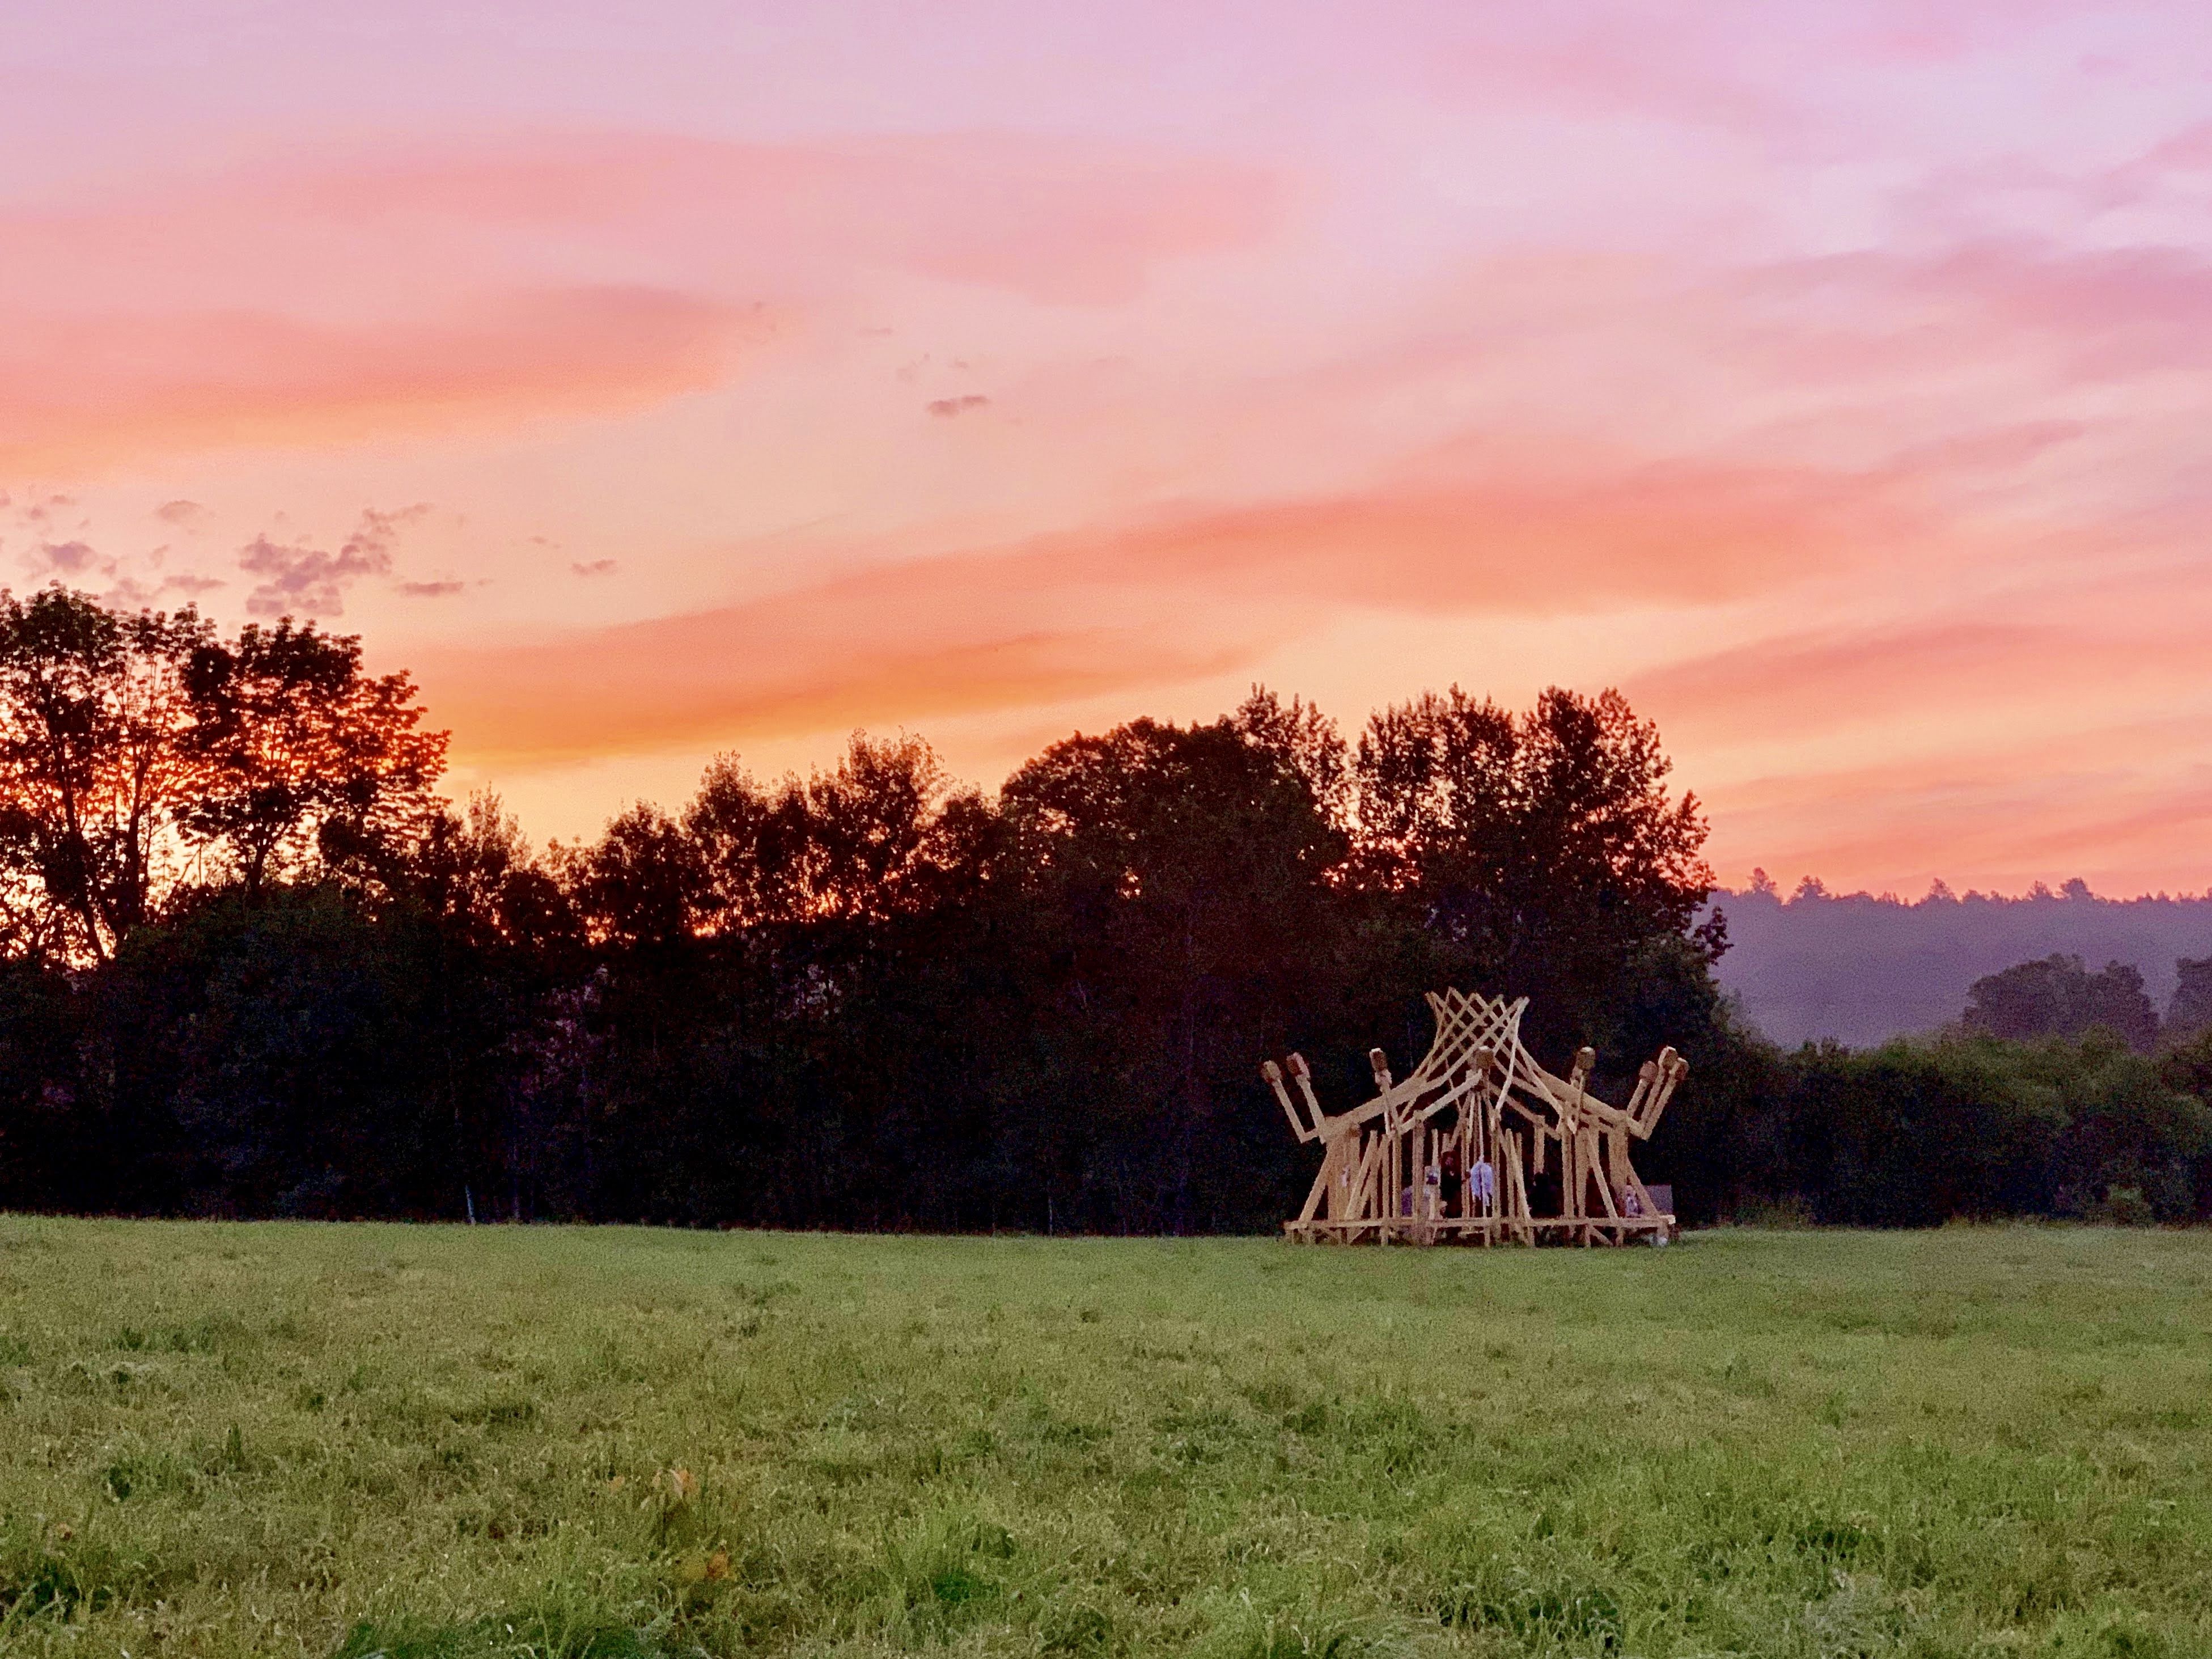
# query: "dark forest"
[[255, 964]]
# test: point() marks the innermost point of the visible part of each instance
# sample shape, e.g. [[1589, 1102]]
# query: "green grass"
[[443, 1443]]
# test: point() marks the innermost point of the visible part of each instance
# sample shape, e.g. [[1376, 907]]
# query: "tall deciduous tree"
[[2190, 1011], [1544, 848], [301, 752], [95, 766], [643, 885], [2059, 997], [872, 838], [1174, 882], [142, 755]]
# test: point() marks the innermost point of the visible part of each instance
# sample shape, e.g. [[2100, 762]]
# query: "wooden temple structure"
[[1479, 1144]]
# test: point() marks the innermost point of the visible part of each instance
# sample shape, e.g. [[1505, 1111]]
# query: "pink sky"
[[658, 381]]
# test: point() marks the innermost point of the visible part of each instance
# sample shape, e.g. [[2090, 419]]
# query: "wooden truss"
[[1448, 1154]]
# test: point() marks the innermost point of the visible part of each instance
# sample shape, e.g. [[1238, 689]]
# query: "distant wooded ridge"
[[1861, 969]]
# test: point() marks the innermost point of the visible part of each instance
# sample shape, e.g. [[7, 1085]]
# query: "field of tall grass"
[[260, 1439]]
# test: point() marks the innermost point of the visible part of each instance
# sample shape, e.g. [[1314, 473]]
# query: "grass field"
[[299, 1439]]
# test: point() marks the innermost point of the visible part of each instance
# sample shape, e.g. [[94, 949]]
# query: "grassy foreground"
[[299, 1439]]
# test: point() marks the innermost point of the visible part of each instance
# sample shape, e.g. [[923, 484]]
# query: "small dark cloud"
[[297, 577], [430, 590], [949, 407], [68, 559], [186, 515], [129, 590], [301, 578], [596, 568], [81, 564], [384, 528]]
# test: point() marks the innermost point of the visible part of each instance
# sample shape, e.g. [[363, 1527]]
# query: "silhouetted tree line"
[[253, 965]]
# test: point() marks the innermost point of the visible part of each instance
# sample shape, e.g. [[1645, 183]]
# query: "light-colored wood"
[[1522, 1228], [1273, 1073], [1475, 1084]]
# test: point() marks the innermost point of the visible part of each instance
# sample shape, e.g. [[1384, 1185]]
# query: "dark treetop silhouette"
[[250, 964]]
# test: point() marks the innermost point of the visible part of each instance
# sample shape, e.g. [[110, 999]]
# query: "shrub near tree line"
[[254, 966], [1910, 1135]]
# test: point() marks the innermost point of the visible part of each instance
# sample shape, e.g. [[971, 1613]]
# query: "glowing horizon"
[[1827, 381]]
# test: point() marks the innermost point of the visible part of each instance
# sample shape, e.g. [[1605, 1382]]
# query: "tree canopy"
[[2058, 997], [142, 757]]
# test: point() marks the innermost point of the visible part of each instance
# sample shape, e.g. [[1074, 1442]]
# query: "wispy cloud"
[[2105, 799], [84, 565], [678, 683], [80, 393], [430, 309], [66, 559], [1178, 595]]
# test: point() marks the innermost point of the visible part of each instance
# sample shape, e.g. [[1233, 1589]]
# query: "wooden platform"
[[1479, 1230]]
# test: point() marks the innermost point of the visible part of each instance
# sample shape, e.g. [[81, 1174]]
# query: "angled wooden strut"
[[1448, 1153]]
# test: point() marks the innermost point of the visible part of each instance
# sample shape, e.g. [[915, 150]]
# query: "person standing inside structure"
[[1481, 1187]]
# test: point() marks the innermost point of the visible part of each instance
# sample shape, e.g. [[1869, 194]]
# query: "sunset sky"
[[653, 381]]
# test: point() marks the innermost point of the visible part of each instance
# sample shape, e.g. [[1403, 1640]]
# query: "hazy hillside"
[[1860, 968]]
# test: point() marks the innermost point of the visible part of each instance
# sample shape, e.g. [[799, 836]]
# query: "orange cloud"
[[1806, 683], [77, 391], [1058, 219], [1811, 681], [1985, 748], [1061, 220], [477, 284], [1686, 534], [1173, 598], [708, 680], [2123, 804], [1592, 531]]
